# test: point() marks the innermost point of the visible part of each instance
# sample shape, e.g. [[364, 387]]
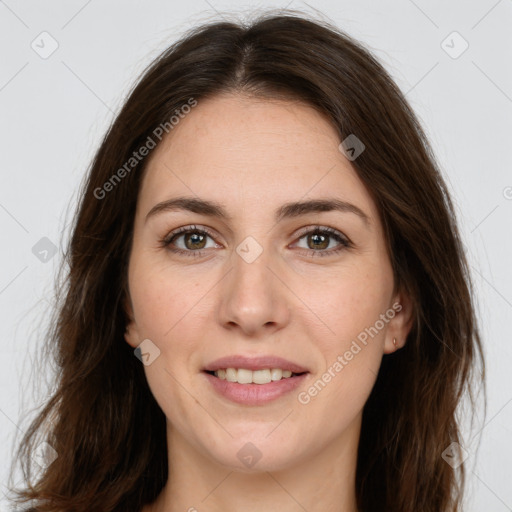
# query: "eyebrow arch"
[[288, 210]]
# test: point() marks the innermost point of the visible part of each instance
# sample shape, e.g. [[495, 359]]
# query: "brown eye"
[[189, 241], [318, 241], [194, 240]]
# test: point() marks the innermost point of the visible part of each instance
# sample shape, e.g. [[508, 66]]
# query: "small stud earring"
[[394, 342]]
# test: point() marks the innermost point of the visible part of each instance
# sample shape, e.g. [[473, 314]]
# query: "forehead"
[[249, 152]]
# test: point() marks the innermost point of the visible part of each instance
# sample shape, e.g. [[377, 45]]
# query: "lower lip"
[[254, 394]]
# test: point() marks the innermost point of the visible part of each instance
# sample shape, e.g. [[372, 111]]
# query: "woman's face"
[[259, 282]]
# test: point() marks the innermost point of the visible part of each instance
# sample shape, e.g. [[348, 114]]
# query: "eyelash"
[[315, 230]]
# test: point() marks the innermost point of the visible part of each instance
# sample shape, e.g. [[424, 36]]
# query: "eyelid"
[[322, 228], [188, 229]]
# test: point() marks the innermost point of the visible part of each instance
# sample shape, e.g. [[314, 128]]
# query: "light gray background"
[[54, 112]]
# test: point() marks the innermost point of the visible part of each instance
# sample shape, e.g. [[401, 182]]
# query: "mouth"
[[254, 379]]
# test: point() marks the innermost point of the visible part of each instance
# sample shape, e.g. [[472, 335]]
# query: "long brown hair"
[[102, 420]]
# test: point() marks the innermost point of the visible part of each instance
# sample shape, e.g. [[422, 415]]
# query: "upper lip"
[[254, 363]]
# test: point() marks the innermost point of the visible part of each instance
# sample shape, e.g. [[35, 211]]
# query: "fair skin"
[[252, 156]]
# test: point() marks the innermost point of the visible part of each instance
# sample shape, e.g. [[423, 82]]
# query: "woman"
[[268, 305]]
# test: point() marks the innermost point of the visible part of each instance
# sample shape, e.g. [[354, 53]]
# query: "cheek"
[[168, 316], [350, 306], [352, 301], [171, 308], [163, 299]]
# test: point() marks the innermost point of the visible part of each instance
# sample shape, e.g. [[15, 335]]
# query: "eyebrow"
[[288, 210]]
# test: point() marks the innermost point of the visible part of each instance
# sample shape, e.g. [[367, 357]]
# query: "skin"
[[252, 156]]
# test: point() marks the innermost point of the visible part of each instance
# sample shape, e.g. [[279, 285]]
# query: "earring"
[[394, 342]]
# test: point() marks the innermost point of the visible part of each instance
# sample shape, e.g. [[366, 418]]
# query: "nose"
[[252, 299]]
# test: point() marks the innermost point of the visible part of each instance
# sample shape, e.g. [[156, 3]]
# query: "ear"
[[401, 323], [131, 333]]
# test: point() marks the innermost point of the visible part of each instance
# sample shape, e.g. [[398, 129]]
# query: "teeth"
[[276, 373], [244, 376]]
